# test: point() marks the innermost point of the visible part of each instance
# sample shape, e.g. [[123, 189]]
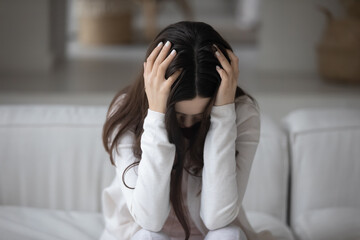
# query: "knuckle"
[[162, 66], [150, 79], [159, 75], [155, 61], [169, 58], [158, 61]]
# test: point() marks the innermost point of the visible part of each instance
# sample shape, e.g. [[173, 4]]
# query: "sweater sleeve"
[[225, 173], [149, 201]]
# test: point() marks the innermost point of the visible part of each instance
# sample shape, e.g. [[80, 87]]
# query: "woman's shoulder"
[[244, 104], [248, 117]]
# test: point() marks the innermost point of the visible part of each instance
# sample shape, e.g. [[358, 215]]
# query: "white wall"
[[289, 33], [25, 35]]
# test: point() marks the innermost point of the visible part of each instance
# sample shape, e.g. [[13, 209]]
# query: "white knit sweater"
[[234, 126]]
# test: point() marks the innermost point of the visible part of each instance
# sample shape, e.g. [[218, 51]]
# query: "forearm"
[[219, 199], [150, 204]]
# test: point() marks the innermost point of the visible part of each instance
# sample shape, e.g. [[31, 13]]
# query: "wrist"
[[158, 109], [221, 103]]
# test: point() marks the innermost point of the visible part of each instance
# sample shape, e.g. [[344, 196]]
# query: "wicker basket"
[[105, 22], [338, 53], [339, 64], [352, 8]]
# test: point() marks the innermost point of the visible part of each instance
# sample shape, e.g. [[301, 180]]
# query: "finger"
[[144, 75], [162, 55], [222, 73], [223, 61], [234, 60], [173, 77], [164, 65], [151, 58]]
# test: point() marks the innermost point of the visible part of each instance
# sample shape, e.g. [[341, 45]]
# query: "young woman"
[[183, 138]]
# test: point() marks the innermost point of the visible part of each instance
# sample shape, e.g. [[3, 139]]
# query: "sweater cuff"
[[223, 110], [154, 126], [156, 115]]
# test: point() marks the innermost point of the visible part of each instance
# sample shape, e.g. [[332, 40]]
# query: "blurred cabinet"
[[150, 10], [32, 34], [290, 30], [105, 22]]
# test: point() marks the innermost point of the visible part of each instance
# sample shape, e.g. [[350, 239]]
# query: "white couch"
[[53, 168], [325, 170]]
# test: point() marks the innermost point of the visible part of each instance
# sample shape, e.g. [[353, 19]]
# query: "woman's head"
[[193, 42], [189, 112], [189, 104], [192, 94]]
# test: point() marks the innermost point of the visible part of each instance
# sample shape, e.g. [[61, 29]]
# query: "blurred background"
[[292, 53]]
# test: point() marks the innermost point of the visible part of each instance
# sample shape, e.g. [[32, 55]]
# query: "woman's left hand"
[[229, 74]]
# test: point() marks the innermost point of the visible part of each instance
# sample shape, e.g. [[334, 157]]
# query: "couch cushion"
[[268, 181], [325, 164], [329, 224], [262, 221], [45, 224], [51, 156]]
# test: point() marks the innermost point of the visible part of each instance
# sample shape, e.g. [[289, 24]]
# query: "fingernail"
[[217, 67], [217, 53], [160, 43], [167, 44], [173, 52], [213, 48]]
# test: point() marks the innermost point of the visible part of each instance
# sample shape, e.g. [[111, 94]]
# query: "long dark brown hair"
[[195, 55]]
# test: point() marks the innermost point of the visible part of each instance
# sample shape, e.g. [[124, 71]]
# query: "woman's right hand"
[[157, 88]]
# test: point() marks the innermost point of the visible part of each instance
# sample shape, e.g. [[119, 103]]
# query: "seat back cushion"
[[325, 163], [268, 181], [51, 156]]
